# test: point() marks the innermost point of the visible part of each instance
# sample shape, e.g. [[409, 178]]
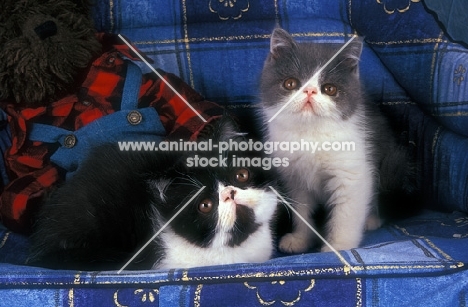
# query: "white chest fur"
[[340, 149], [182, 254], [342, 178]]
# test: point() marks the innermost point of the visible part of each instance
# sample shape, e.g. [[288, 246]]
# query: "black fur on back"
[[117, 200]]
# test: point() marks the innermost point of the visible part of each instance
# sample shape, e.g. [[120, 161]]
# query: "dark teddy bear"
[[33, 30], [57, 106]]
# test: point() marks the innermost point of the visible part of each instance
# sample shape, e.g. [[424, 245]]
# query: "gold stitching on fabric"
[[409, 41], [399, 10], [358, 292], [317, 34], [277, 17], [288, 273], [231, 4], [278, 274], [234, 38], [392, 103], [71, 300], [432, 245], [111, 15], [405, 267], [76, 280], [293, 302], [187, 43], [147, 295], [459, 113], [311, 286], [434, 140], [264, 302], [197, 296], [459, 222], [116, 299], [433, 62], [185, 276], [462, 223]]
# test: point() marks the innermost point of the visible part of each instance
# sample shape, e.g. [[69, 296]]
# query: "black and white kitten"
[[331, 107], [119, 199]]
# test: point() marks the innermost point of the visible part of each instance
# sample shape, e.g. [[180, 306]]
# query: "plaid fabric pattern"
[[218, 49], [28, 161], [409, 66], [431, 105]]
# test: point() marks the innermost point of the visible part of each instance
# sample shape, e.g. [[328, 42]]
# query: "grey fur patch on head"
[[301, 60]]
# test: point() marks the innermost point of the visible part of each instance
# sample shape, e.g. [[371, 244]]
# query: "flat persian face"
[[295, 74], [234, 203]]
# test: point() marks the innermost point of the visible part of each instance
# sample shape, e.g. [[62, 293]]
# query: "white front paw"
[[293, 243]]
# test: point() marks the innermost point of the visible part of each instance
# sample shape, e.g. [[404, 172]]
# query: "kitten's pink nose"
[[311, 91], [228, 193]]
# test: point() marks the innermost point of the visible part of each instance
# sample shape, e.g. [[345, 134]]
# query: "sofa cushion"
[[409, 66]]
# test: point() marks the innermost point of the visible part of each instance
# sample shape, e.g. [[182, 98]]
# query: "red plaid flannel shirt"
[[30, 171]]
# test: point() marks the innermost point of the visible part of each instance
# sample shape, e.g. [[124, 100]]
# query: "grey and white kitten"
[[331, 108]]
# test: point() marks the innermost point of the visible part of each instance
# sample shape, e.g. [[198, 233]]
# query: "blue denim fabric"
[[111, 128]]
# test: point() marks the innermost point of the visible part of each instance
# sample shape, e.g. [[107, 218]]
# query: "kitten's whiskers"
[[160, 230], [336, 66], [191, 181], [291, 201]]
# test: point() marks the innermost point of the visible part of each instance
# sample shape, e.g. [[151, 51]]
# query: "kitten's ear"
[[352, 53], [221, 130], [157, 188], [280, 40]]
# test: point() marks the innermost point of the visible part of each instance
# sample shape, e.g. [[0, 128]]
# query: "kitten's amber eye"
[[329, 89], [205, 206], [242, 175], [291, 84]]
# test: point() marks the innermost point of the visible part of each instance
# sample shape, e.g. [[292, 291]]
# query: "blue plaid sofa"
[[414, 65]]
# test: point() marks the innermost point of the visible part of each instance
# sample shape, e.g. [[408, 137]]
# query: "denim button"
[[70, 141], [134, 117]]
